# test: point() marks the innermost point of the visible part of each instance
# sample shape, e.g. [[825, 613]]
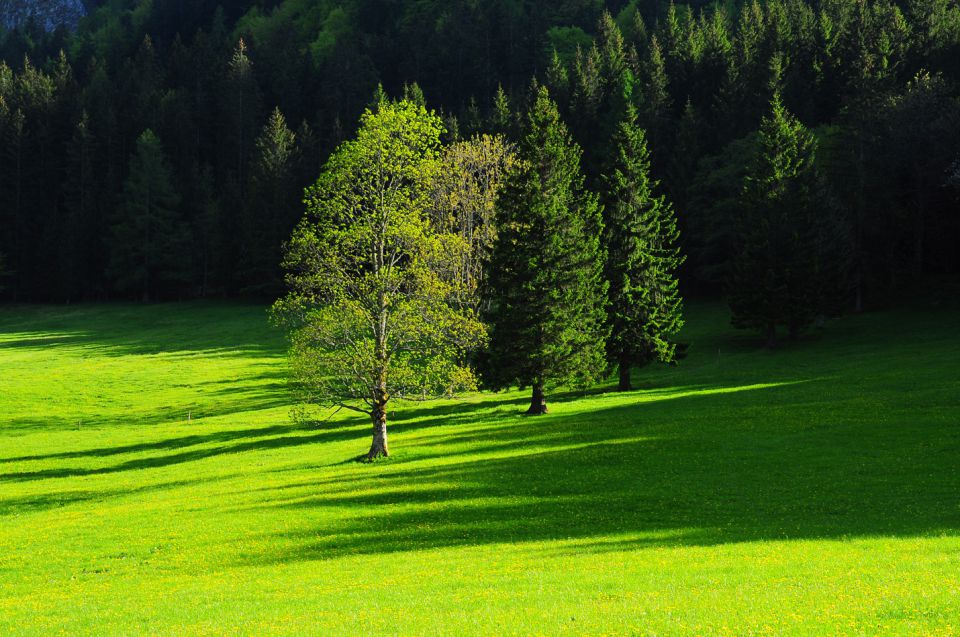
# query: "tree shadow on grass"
[[159, 445], [692, 471], [112, 330], [52, 500], [285, 441], [210, 407]]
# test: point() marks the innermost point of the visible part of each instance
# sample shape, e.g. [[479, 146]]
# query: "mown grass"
[[151, 481]]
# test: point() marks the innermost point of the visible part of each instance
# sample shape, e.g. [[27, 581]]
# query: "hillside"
[[47, 13], [151, 481]]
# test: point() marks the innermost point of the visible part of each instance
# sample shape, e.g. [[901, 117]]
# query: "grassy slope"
[[815, 490]]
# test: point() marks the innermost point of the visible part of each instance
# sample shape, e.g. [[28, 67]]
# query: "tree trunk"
[[379, 447], [538, 402], [625, 384], [918, 256], [771, 335]]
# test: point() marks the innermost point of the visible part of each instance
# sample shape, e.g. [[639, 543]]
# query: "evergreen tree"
[[206, 223], [657, 104], [80, 230], [149, 247], [502, 117], [789, 260], [273, 206], [12, 188], [547, 295], [640, 237], [242, 105]]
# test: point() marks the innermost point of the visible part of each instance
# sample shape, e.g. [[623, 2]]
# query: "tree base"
[[379, 448], [376, 454], [624, 383], [538, 402]]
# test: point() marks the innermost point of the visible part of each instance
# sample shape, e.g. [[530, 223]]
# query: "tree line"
[[228, 111]]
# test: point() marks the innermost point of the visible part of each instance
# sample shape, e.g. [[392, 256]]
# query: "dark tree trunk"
[[625, 383], [771, 335], [794, 331], [379, 448], [538, 402]]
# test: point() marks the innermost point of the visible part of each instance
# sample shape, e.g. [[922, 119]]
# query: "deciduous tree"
[[372, 288]]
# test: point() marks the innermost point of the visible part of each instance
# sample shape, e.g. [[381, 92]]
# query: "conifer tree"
[[80, 225], [547, 294], [12, 189], [242, 97], [502, 119], [655, 114], [149, 244], [640, 237], [789, 262], [273, 208]]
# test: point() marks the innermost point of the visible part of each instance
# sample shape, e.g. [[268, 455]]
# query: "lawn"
[[152, 481]]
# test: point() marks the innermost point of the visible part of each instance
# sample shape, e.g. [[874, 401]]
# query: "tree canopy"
[[373, 281]]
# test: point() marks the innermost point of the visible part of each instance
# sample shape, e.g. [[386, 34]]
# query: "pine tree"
[[657, 104], [206, 219], [273, 207], [789, 263], [547, 295], [558, 78], [149, 245], [80, 228], [502, 118], [642, 258], [12, 154]]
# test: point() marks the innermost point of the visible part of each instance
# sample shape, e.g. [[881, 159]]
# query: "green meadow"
[[152, 481]]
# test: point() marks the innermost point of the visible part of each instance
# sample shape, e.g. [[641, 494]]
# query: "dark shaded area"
[[159, 445], [243, 396], [255, 444], [693, 470], [878, 80], [213, 329], [46, 501]]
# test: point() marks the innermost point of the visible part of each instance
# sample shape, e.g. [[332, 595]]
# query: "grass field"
[[151, 481]]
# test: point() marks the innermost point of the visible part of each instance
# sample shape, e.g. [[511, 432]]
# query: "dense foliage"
[[640, 237], [247, 99], [789, 263], [546, 291], [374, 281]]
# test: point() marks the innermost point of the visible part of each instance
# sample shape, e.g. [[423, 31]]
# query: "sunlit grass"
[[151, 481]]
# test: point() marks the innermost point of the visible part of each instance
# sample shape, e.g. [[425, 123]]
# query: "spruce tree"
[[789, 262], [3, 272], [79, 233], [502, 118], [273, 205], [640, 237], [546, 289], [150, 244]]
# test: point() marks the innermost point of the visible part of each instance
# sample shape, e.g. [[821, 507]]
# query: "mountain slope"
[[48, 13]]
